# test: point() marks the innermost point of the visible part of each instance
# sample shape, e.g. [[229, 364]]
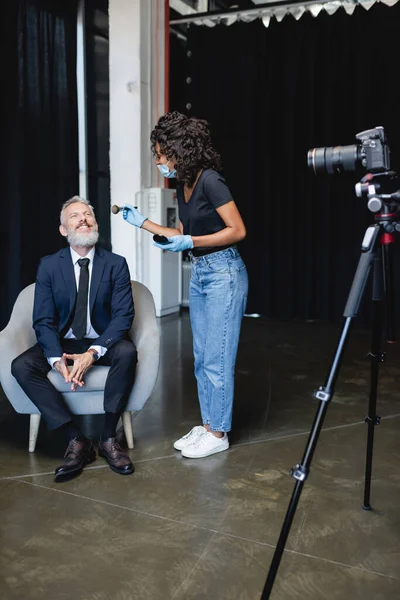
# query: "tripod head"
[[374, 185]]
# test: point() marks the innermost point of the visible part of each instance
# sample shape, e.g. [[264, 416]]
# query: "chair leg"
[[33, 431], [127, 421]]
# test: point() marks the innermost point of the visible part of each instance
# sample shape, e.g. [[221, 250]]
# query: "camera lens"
[[337, 159]]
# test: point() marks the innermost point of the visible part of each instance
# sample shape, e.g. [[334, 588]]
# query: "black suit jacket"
[[110, 299]]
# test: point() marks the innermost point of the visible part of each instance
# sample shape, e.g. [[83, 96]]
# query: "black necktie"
[[80, 317]]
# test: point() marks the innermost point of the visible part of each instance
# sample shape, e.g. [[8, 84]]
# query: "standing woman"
[[209, 227]]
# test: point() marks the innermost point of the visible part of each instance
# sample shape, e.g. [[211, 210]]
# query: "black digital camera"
[[371, 152]]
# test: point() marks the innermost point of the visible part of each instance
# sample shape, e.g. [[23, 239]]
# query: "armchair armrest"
[[145, 335]]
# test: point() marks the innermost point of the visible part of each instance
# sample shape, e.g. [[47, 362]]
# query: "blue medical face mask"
[[164, 170]]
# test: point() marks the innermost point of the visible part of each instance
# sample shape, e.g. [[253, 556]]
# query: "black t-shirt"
[[198, 216]]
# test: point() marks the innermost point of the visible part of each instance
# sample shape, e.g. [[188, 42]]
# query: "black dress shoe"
[[80, 452], [115, 456]]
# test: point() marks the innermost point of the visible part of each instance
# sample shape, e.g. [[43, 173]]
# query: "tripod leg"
[[388, 284], [376, 355], [324, 394], [300, 471]]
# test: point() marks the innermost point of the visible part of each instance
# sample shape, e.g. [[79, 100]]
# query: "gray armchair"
[[19, 335]]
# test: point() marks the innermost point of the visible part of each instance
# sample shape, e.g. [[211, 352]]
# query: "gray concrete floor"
[[182, 529]]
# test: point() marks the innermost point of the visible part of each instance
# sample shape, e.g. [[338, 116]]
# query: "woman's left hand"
[[177, 243]]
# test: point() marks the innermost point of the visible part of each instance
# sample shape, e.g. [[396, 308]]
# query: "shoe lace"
[[193, 432], [115, 447], [202, 439]]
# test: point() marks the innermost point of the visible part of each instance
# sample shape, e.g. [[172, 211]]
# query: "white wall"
[[137, 67]]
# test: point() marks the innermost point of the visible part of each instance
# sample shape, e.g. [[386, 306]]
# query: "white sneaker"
[[206, 445], [193, 435]]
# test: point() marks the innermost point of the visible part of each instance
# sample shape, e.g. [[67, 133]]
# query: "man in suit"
[[82, 314]]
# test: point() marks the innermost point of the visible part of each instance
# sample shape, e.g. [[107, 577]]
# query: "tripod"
[[376, 252]]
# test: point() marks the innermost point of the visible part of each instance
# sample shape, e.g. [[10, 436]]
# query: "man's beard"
[[82, 240]]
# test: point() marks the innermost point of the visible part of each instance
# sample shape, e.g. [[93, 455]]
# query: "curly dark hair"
[[188, 141]]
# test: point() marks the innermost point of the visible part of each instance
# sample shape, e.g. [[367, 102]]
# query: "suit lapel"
[[67, 270], [97, 273]]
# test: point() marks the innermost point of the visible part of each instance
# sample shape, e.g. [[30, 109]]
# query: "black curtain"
[[40, 136], [270, 95], [179, 88]]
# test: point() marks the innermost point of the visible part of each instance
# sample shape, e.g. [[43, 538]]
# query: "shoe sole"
[[209, 453], [115, 469], [86, 462]]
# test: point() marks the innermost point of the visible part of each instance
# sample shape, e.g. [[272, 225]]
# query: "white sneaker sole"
[[187, 454]]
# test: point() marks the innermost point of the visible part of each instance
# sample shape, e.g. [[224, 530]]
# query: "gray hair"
[[72, 201]]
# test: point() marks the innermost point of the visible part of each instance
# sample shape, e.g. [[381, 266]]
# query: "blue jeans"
[[217, 302]]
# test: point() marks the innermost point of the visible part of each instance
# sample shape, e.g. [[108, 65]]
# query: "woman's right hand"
[[132, 215]]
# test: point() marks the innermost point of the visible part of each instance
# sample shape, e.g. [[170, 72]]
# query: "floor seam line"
[[210, 530], [192, 572], [311, 556]]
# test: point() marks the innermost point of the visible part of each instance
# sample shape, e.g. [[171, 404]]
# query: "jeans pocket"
[[220, 265]]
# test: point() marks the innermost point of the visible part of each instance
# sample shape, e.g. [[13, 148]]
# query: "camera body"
[[375, 153], [372, 153]]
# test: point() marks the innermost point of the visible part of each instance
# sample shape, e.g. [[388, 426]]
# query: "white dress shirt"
[[90, 332]]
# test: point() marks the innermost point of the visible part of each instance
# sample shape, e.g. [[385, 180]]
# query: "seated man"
[[83, 311]]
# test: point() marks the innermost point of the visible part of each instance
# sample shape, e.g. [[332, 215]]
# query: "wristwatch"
[[95, 354]]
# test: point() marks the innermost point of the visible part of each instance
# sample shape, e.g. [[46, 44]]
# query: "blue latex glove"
[[132, 215], [177, 243]]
